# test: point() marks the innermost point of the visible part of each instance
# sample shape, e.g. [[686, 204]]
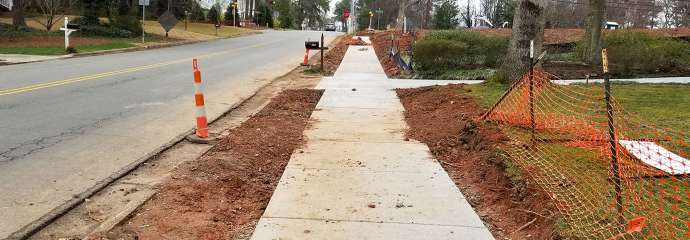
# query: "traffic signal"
[[272, 2]]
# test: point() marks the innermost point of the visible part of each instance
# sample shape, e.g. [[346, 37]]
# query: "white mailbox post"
[[68, 31]]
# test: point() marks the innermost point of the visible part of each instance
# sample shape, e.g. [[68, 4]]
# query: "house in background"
[[612, 25]]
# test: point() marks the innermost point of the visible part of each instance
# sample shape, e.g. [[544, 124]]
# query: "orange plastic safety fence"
[[559, 137]]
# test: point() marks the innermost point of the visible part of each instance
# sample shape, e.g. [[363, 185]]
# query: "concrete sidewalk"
[[358, 178]]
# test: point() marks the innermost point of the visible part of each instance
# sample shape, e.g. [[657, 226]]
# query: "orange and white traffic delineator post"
[[306, 58], [201, 121]]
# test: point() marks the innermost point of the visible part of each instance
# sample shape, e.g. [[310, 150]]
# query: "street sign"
[[379, 11], [144, 2], [167, 21], [346, 13]]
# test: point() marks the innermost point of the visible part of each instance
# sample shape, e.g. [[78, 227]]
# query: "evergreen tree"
[[228, 15], [263, 15], [214, 15], [446, 15], [197, 12], [91, 10], [313, 11], [286, 12]]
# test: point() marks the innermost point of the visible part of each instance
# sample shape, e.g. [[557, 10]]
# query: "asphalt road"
[[68, 124]]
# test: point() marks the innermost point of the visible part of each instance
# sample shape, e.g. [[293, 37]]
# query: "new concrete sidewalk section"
[[358, 178]]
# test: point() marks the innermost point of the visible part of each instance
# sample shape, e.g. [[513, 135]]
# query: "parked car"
[[330, 27]]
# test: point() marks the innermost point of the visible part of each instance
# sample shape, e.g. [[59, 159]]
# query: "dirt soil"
[[224, 193], [334, 56], [382, 45], [444, 118]]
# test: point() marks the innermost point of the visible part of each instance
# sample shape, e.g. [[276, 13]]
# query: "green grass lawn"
[[663, 105]]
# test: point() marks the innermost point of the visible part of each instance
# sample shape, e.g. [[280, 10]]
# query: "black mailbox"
[[311, 45], [73, 26]]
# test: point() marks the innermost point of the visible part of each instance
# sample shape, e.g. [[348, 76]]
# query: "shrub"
[[454, 49], [71, 50], [103, 31], [10, 31], [632, 52], [128, 22]]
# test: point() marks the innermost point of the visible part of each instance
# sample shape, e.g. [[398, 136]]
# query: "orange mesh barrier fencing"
[[630, 185]]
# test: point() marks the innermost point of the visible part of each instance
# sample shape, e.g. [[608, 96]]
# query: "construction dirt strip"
[[358, 177]]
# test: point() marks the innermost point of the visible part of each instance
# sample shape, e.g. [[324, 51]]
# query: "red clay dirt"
[[382, 45], [334, 56], [444, 118], [222, 194]]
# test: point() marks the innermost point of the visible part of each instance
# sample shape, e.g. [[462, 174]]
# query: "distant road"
[[67, 124]]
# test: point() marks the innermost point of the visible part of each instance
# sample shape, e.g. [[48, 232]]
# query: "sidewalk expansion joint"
[[356, 170], [376, 222]]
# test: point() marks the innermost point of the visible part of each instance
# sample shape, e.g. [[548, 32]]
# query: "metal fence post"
[[531, 89], [612, 137], [322, 47]]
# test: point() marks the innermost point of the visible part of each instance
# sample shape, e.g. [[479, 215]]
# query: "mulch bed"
[[222, 194], [444, 118]]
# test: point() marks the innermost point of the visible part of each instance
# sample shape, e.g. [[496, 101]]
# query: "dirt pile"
[[383, 41], [332, 57], [223, 194], [444, 118]]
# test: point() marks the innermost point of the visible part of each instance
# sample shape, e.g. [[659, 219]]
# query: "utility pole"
[[371, 16], [350, 20], [379, 12], [234, 13], [143, 4]]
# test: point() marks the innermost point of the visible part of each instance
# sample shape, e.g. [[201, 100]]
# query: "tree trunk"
[[401, 12], [528, 25], [18, 14], [592, 40]]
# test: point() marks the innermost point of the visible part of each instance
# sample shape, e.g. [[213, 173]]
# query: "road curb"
[[35, 226]]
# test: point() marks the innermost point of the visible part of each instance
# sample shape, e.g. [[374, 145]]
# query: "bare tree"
[[667, 8], [52, 11], [682, 13], [466, 14], [528, 25], [489, 9]]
